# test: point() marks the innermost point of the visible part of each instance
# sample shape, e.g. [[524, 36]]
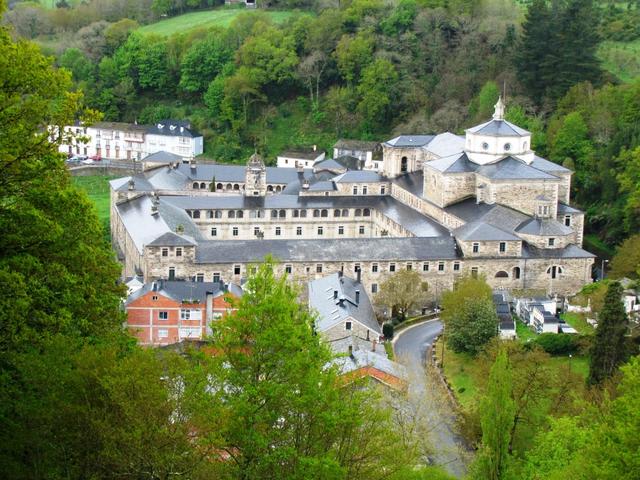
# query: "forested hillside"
[[367, 69]]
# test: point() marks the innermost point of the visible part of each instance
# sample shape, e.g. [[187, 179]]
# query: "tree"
[[610, 345], [117, 33], [77, 63], [465, 289], [310, 71], [472, 328], [376, 89], [353, 54], [497, 410], [629, 180], [626, 261], [483, 105], [402, 291], [203, 61], [274, 405]]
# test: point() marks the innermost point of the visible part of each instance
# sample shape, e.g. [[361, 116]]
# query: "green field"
[[97, 188], [210, 18], [621, 58]]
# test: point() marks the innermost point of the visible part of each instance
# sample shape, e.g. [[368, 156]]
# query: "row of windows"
[[316, 213], [257, 231], [178, 252], [502, 247]]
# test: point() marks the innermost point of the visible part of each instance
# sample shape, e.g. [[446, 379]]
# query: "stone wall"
[[339, 331], [392, 163], [490, 248], [519, 195]]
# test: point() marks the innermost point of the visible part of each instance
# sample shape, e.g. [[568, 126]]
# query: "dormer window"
[[507, 147], [485, 146]]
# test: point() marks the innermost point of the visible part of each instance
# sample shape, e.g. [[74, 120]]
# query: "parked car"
[[87, 161], [96, 158]]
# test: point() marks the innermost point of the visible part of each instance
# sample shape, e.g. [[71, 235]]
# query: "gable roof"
[[544, 227], [173, 128], [179, 291], [162, 157], [445, 144], [456, 163], [334, 311], [171, 239], [482, 231], [363, 145], [365, 363], [510, 168], [409, 140]]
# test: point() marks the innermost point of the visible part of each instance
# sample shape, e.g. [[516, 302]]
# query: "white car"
[[87, 161]]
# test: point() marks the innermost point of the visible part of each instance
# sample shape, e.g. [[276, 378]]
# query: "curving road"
[[426, 391]]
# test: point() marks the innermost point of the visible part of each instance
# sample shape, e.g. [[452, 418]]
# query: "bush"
[[387, 330], [558, 343]]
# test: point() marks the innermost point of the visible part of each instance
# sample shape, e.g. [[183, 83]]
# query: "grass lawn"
[[579, 322], [621, 58], [461, 372], [97, 188], [577, 364], [524, 333], [210, 18]]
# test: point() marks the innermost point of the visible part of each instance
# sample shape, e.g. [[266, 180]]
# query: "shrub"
[[387, 330], [558, 343]]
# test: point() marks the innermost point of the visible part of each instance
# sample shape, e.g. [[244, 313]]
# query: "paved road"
[[426, 390]]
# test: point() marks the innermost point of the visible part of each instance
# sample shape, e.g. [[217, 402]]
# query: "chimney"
[[335, 294], [132, 184], [357, 297], [358, 275], [373, 345], [154, 287], [340, 272], [305, 185]]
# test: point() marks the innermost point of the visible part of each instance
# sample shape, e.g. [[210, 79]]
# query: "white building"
[[126, 141], [300, 158]]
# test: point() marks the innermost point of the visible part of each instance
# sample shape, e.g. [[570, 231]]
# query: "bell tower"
[[255, 177]]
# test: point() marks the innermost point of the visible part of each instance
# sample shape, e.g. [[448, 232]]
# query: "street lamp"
[[602, 264]]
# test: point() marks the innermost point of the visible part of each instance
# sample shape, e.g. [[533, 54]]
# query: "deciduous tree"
[[402, 291]]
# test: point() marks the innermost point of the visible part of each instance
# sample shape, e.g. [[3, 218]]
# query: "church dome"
[[496, 139]]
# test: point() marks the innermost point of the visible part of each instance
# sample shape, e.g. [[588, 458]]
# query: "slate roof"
[[445, 144], [499, 128], [305, 154], [411, 182], [162, 157], [355, 176], [457, 163], [171, 239], [330, 164], [329, 250], [120, 126], [547, 166], [570, 251], [175, 132], [564, 208], [510, 168], [179, 291], [482, 231], [335, 311], [499, 216], [366, 358], [410, 140], [140, 184], [236, 173], [544, 227], [349, 162]]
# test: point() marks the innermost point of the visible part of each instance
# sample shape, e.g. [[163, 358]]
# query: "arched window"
[[316, 213], [554, 271], [195, 185], [282, 214], [239, 214], [502, 274], [236, 186], [366, 212], [270, 188], [358, 212], [516, 272], [278, 189], [303, 214], [336, 212], [345, 212], [218, 186], [210, 214], [404, 164], [203, 185], [232, 214], [228, 187], [324, 213], [196, 214], [274, 214], [218, 214], [296, 213]]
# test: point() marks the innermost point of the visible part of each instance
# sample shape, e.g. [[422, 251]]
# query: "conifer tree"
[[497, 412], [609, 349]]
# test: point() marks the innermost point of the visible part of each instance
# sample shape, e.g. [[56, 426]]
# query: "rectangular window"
[[374, 288], [425, 267], [216, 277], [382, 190], [200, 277], [172, 273], [185, 314], [163, 315], [236, 269], [503, 247], [320, 230], [298, 231], [456, 266], [163, 332], [476, 247], [214, 232], [364, 190], [474, 272], [340, 230], [278, 231], [392, 267], [567, 220], [165, 252], [374, 268], [356, 267], [441, 266], [256, 231], [361, 230], [552, 242], [235, 231], [178, 251], [409, 266], [355, 189], [155, 297], [288, 268], [347, 325], [318, 268]]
